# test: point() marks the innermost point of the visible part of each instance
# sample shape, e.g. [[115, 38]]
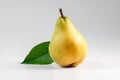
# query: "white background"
[[25, 23]]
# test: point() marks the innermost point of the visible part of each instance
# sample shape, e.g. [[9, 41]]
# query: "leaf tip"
[[23, 62]]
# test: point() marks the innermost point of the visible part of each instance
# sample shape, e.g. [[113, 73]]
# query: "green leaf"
[[39, 55]]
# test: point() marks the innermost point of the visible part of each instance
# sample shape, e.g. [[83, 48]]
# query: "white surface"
[[25, 23], [93, 68]]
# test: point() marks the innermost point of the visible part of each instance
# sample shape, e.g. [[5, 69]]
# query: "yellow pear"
[[67, 47]]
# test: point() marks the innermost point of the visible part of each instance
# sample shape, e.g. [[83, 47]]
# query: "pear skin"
[[68, 47]]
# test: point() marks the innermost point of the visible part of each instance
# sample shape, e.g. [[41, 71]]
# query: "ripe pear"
[[67, 47]]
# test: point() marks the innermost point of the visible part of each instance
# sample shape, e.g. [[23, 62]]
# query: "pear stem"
[[61, 13]]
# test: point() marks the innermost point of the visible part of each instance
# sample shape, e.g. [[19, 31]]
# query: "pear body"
[[67, 47]]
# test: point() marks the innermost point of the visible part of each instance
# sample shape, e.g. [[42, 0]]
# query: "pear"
[[67, 47]]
